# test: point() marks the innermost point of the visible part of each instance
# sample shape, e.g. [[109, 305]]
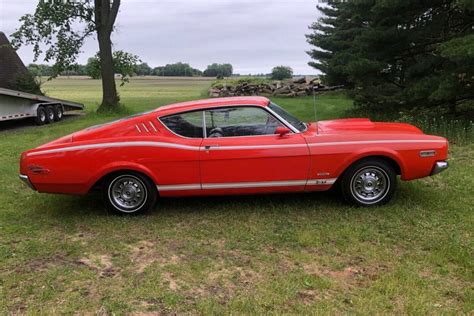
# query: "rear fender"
[[120, 166]]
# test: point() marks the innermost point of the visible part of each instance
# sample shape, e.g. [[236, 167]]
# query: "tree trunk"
[[110, 98], [105, 15]]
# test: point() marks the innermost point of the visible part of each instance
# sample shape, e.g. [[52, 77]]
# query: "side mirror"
[[282, 130]]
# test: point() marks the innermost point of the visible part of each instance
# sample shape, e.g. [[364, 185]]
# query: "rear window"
[[185, 124]]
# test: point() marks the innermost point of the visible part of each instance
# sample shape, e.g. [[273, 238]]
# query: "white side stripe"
[[249, 147], [245, 185], [196, 148], [387, 141], [116, 144]]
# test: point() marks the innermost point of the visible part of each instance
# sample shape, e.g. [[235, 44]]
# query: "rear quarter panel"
[[76, 171]]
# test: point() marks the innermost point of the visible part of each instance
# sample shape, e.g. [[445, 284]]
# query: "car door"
[[177, 163], [242, 154]]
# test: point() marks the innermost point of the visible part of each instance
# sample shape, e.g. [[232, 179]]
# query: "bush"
[[282, 72]]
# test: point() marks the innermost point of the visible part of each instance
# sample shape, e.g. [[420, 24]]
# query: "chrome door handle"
[[209, 147]]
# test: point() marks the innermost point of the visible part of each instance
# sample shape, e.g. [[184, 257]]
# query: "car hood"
[[364, 125]]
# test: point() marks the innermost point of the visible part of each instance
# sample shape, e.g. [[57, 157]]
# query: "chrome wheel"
[[370, 184], [127, 193], [43, 116]]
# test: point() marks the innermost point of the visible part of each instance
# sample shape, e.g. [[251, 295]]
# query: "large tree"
[[62, 27], [397, 52]]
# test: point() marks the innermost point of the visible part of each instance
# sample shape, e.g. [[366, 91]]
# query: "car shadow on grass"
[[91, 204]]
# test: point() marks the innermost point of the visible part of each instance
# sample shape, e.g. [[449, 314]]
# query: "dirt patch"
[[100, 263], [45, 264], [144, 254], [81, 237], [307, 296], [170, 279]]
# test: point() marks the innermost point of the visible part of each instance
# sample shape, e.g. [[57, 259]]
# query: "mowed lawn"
[[298, 253]]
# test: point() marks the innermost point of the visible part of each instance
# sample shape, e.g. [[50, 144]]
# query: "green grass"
[[298, 253]]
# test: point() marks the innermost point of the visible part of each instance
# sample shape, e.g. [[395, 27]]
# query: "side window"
[[239, 121], [185, 124]]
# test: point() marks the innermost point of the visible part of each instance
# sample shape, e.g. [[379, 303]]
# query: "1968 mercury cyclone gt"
[[242, 145]]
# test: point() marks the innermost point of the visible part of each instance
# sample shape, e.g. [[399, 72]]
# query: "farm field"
[[296, 253]]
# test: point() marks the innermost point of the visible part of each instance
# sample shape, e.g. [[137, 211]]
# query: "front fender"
[[371, 152]]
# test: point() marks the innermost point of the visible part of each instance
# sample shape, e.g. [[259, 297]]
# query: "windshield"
[[300, 126]]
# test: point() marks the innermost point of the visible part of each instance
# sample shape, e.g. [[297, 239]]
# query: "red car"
[[242, 145]]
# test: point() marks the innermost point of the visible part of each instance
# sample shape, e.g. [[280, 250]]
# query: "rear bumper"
[[439, 167], [26, 180]]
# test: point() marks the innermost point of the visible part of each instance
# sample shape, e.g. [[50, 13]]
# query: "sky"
[[252, 35]]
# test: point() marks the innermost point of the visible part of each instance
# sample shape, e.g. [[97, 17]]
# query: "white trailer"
[[16, 105]]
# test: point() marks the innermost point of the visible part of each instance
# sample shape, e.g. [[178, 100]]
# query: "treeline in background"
[[135, 68]]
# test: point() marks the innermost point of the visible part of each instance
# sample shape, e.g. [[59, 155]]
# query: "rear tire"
[[129, 193], [40, 118], [58, 113], [369, 182], [49, 114]]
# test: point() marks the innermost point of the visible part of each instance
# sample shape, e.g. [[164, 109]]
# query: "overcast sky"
[[252, 35]]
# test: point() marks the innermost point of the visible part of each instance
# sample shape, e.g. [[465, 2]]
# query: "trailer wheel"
[[40, 118], [50, 114], [58, 112]]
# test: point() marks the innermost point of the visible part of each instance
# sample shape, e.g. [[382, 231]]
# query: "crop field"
[[295, 253]]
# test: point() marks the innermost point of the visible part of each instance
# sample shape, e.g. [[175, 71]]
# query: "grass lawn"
[[298, 253]]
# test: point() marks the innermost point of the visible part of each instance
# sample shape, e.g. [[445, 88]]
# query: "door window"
[[239, 121], [185, 124]]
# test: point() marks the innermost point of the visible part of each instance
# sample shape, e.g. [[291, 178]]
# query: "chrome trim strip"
[[138, 128], [144, 126], [321, 181], [203, 110], [179, 187], [204, 128], [282, 120], [427, 153], [245, 185], [439, 166]]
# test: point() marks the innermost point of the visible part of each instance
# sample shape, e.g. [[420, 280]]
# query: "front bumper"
[[26, 180], [439, 167]]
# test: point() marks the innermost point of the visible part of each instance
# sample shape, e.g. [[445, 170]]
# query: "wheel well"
[[388, 160], [99, 183]]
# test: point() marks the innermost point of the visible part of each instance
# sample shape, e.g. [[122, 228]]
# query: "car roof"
[[216, 102]]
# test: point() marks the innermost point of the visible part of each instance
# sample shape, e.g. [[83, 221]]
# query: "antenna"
[[314, 108]]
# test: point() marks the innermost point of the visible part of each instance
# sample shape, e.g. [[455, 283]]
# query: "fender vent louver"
[[146, 128]]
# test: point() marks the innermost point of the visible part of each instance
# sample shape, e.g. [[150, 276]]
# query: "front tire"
[[369, 182], [129, 193]]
